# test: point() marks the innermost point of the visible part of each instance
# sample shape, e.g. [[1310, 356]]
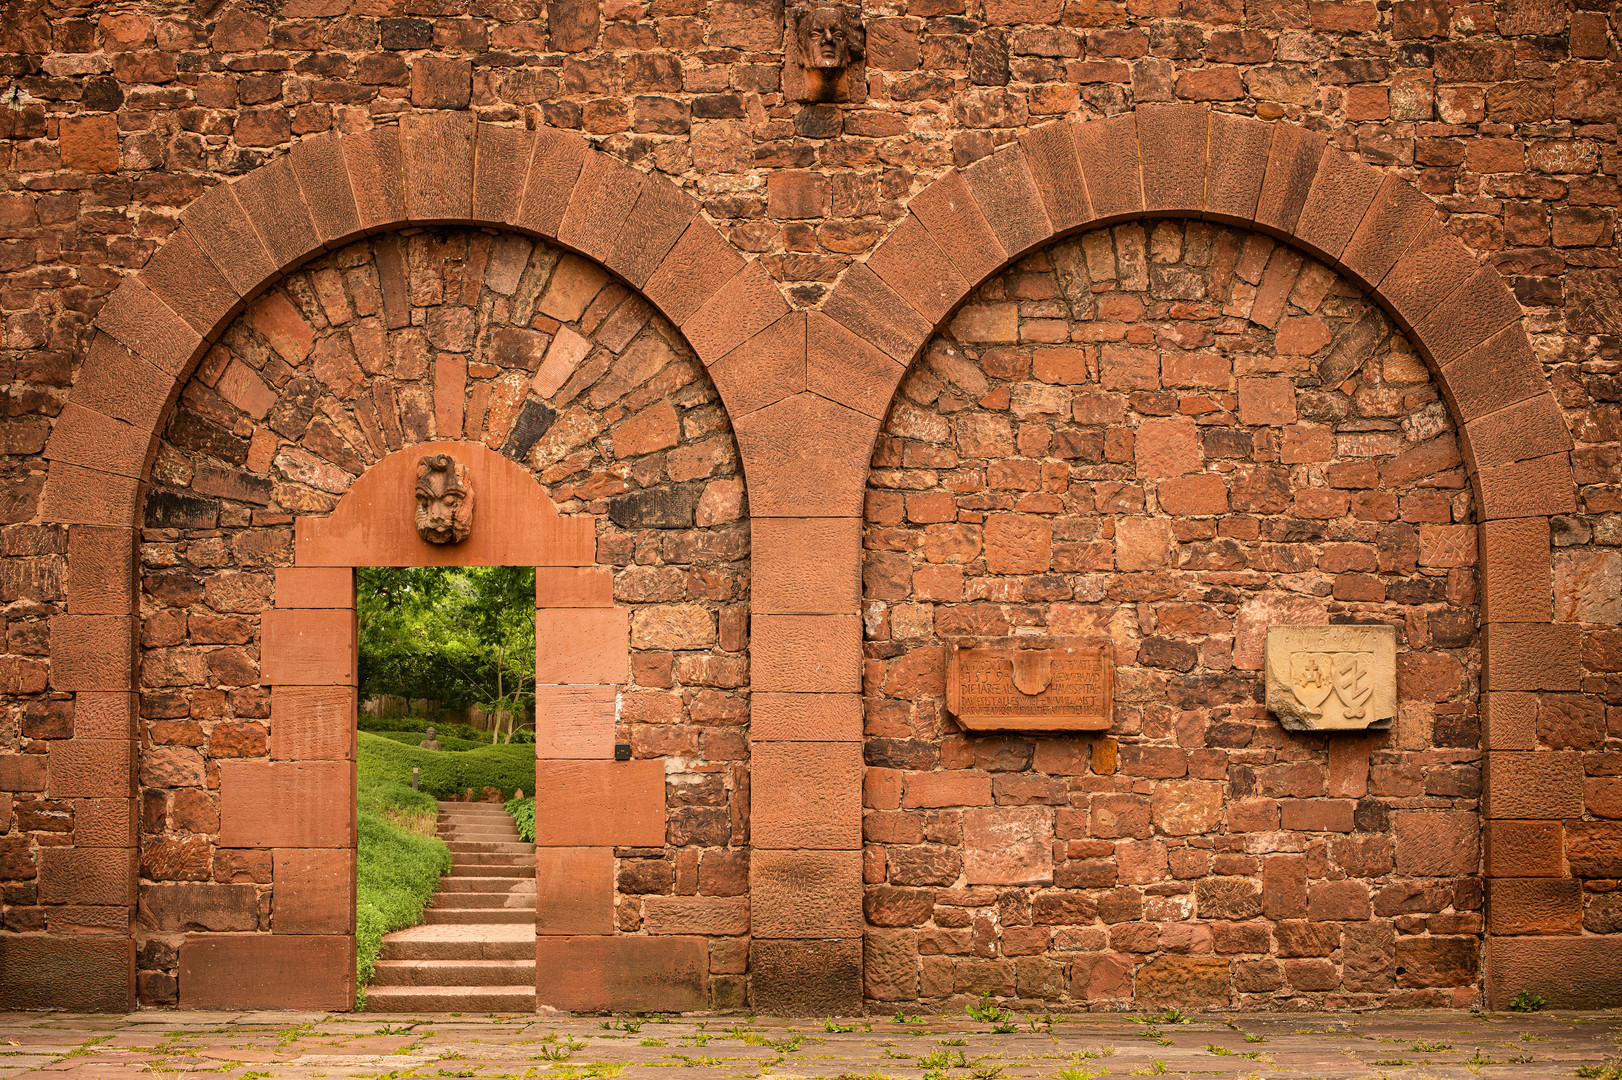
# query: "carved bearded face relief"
[[830, 36], [444, 500]]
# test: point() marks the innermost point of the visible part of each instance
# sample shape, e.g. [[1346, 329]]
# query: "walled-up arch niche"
[[1377, 230], [1171, 435], [324, 349]]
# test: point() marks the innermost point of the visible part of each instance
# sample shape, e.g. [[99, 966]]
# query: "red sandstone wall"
[[121, 114]]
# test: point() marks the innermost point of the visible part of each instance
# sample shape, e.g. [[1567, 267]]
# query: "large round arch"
[[808, 419], [232, 245]]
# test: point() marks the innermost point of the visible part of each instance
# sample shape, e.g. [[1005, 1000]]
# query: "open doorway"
[[445, 772]]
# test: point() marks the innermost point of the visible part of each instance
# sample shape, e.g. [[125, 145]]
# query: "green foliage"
[[397, 869], [986, 1011], [523, 815], [1609, 1070], [1526, 1001], [464, 635], [446, 772]]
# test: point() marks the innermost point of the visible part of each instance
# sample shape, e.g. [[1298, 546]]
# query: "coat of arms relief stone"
[[1332, 678]]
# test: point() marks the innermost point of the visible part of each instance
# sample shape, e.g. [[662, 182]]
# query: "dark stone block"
[[534, 419], [656, 508]]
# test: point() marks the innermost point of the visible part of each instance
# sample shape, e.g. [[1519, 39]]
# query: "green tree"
[[461, 635]]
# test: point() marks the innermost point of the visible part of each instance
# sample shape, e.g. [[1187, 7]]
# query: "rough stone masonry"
[[1160, 321]]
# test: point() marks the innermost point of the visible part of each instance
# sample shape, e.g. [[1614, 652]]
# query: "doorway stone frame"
[[806, 393]]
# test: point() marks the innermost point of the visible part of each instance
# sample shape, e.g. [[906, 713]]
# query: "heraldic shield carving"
[[1332, 678]]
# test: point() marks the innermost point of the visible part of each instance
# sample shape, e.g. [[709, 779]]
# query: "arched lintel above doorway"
[[372, 525]]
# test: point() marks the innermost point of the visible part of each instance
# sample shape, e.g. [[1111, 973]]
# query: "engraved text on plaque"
[[1066, 685]]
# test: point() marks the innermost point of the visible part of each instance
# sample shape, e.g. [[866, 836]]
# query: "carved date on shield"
[[1332, 678], [1067, 684]]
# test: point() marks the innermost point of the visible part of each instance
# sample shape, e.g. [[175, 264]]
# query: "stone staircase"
[[476, 951]]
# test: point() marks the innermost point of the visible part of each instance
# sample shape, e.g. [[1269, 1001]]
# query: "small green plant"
[[1219, 1051], [1156, 1067], [1431, 1047], [903, 1018], [651, 1042], [1608, 1070], [833, 1028], [993, 1072], [787, 1044], [1079, 1074], [1478, 1058], [988, 1012], [1249, 1038], [1526, 1001]]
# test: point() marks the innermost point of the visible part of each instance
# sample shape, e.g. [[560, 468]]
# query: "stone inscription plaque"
[[1056, 684], [1332, 678]]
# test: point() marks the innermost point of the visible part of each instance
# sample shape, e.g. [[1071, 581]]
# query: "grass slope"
[[398, 864]]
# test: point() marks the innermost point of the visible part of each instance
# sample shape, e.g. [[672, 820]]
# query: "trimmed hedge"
[[445, 773]]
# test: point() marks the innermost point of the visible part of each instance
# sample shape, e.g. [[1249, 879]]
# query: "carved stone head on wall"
[[444, 500], [829, 35], [824, 52]]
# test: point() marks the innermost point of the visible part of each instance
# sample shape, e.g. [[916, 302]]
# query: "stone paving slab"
[[1303, 1046]]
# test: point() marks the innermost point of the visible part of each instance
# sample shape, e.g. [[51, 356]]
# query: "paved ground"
[[242, 1046]]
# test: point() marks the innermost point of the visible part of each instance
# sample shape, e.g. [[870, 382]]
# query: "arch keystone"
[[1173, 140], [1108, 151], [501, 162], [438, 158]]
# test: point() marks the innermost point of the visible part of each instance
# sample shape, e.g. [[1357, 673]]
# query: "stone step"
[[509, 899], [462, 999], [461, 941], [456, 972], [489, 836], [513, 847], [494, 858], [483, 883], [526, 916], [491, 870]]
